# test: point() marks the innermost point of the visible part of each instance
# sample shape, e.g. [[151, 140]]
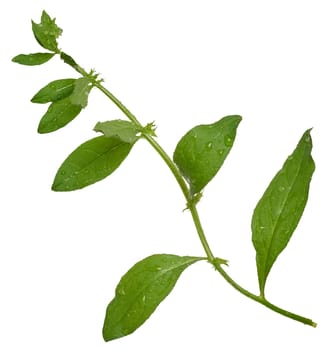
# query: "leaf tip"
[[237, 118], [57, 186], [106, 336], [110, 333], [41, 129], [307, 137], [34, 99]]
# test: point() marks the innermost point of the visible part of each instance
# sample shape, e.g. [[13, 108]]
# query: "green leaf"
[[91, 162], [278, 212], [64, 109], [59, 114], [82, 88], [33, 59], [123, 129], [202, 151], [55, 91], [140, 291], [47, 32]]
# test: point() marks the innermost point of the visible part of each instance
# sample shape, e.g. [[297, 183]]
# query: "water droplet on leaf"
[[125, 331], [209, 145], [121, 291], [228, 141]]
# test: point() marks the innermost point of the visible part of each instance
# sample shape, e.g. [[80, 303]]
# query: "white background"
[[178, 63]]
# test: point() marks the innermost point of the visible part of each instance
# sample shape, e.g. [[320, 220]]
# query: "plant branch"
[[171, 165], [191, 203]]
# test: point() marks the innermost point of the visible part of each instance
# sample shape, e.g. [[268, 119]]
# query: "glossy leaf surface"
[[203, 150], [59, 114], [140, 291], [55, 91], [33, 59], [47, 32], [91, 162], [123, 129], [279, 210]]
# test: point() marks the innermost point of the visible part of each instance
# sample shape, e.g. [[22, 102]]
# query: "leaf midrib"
[[94, 160]]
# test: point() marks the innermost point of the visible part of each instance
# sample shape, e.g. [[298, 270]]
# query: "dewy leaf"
[[47, 32], [63, 110], [33, 59], [82, 88], [59, 114], [202, 151], [55, 91], [279, 210], [123, 129], [91, 162], [140, 291]]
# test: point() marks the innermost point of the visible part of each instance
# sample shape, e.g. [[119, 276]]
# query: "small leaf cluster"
[[67, 97], [197, 158], [46, 33]]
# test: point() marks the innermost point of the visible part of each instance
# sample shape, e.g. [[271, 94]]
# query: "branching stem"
[[191, 205]]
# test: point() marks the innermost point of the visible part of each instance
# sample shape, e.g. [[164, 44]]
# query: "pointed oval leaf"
[[33, 59], [59, 114], [54, 91], [278, 212], [91, 162], [123, 129], [47, 32], [202, 151], [140, 291]]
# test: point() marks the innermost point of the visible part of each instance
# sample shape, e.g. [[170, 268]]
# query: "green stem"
[[191, 205], [262, 300], [171, 165], [200, 231], [126, 111]]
